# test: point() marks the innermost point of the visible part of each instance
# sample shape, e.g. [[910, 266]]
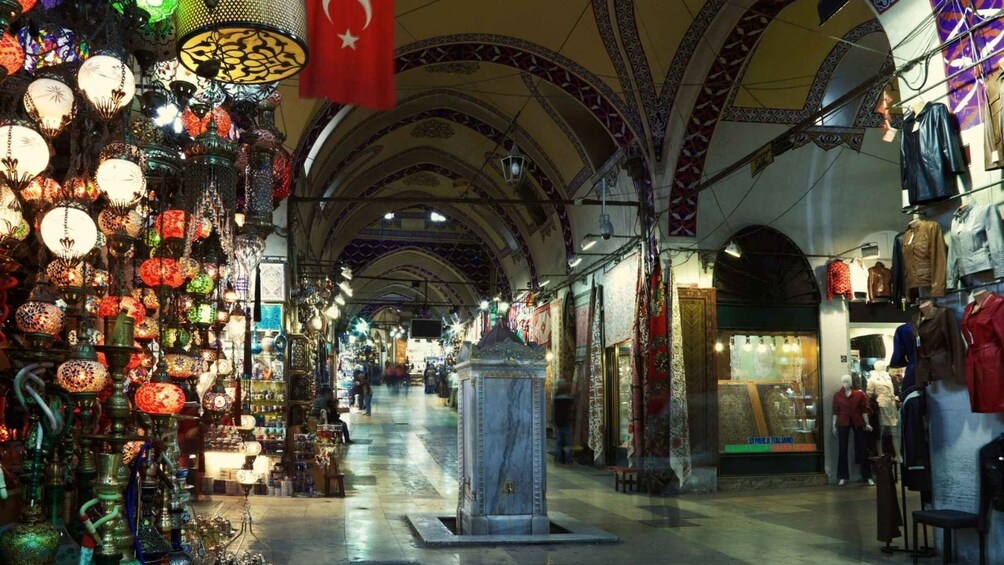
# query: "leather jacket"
[[930, 154], [879, 282], [898, 272], [975, 243], [940, 351], [924, 257], [993, 130], [983, 330], [991, 480]]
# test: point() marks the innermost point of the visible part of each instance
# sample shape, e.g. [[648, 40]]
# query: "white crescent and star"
[[349, 40]]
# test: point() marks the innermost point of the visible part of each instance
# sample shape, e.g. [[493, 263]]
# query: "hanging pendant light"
[[11, 55], [120, 175], [107, 83], [50, 103], [68, 232], [160, 397], [242, 41], [513, 165], [23, 155]]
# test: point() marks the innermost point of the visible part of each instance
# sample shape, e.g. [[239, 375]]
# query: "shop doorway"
[[767, 358], [617, 386]]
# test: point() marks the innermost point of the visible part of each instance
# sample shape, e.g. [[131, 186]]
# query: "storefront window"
[[768, 392], [619, 379]]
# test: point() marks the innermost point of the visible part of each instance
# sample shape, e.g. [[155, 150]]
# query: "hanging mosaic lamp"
[[110, 306], [120, 175], [47, 45], [41, 189], [112, 223], [202, 284], [147, 330], [180, 364], [160, 397], [78, 376], [157, 9], [81, 188], [107, 83], [40, 314], [50, 103], [24, 154], [64, 275], [11, 55], [158, 272], [217, 402], [260, 40], [195, 126], [68, 232], [202, 314]]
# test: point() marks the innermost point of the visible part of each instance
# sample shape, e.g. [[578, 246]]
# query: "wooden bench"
[[625, 479]]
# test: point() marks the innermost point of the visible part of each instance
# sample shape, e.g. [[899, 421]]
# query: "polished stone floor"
[[404, 460]]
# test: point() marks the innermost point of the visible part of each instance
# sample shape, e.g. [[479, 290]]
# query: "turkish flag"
[[351, 52]]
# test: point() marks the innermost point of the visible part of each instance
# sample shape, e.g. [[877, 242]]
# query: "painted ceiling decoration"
[[629, 74]]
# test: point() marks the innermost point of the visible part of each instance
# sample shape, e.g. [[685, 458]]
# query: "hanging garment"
[[993, 131], [915, 447], [859, 278], [880, 387], [879, 282], [930, 154], [975, 242], [850, 409], [904, 355], [871, 346], [838, 280], [940, 352], [991, 480], [897, 285], [924, 257], [886, 503], [597, 396], [983, 330]]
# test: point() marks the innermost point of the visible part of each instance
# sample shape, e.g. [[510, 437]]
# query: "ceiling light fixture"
[[388, 216], [588, 242], [733, 249], [513, 165], [436, 217]]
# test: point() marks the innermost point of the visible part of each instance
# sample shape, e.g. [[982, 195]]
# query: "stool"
[[947, 520], [341, 485], [625, 478]]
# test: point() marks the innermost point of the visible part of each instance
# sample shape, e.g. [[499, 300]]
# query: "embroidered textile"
[[596, 396], [838, 280]]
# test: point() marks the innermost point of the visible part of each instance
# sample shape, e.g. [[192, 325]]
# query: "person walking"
[[366, 393], [326, 401]]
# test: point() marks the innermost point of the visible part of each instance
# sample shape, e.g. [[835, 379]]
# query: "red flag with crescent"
[[351, 52]]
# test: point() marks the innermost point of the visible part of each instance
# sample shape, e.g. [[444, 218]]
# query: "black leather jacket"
[[991, 480], [930, 154]]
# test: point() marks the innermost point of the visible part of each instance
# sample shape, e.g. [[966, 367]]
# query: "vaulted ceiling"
[[579, 86]]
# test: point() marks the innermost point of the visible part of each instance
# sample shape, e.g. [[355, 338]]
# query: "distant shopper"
[[326, 401], [563, 414], [366, 395]]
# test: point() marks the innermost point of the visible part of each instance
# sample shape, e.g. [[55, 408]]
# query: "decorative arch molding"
[[459, 257], [433, 278], [865, 117], [725, 70], [622, 121], [406, 262]]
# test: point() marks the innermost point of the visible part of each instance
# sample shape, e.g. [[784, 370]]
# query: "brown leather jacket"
[[879, 282], [941, 353], [993, 130], [925, 258]]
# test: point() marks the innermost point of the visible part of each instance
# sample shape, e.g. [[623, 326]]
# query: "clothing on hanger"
[[924, 257], [983, 330], [838, 280], [991, 461], [897, 285], [993, 120], [940, 351], [975, 242], [879, 282], [859, 278], [904, 355], [930, 154], [914, 443]]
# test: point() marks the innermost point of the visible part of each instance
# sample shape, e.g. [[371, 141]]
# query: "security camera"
[[606, 227]]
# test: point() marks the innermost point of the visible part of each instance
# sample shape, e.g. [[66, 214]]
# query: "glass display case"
[[618, 359], [768, 392]]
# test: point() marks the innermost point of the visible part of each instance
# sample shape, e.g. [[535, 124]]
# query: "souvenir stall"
[[141, 174]]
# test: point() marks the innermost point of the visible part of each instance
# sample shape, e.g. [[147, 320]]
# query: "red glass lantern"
[[158, 398], [26, 5], [148, 297], [82, 188], [42, 188], [11, 54], [111, 305], [147, 330], [170, 224], [195, 126], [82, 376], [64, 276], [161, 272]]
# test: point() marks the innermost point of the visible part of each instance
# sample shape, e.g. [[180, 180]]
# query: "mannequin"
[[850, 415], [881, 388], [979, 295], [926, 307]]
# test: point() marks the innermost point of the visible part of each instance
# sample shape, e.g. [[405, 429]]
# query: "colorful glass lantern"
[[138, 376], [24, 154], [46, 45], [174, 76], [68, 232], [194, 125], [251, 448], [82, 188], [171, 224], [107, 83], [244, 42], [222, 316], [157, 9], [201, 283], [82, 376], [113, 223], [253, 93], [111, 306], [180, 365], [177, 337], [120, 175], [147, 330], [202, 314], [11, 54], [63, 275], [100, 278], [189, 266], [159, 272], [216, 400], [160, 398], [41, 189], [50, 103], [26, 5], [148, 297], [39, 314]]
